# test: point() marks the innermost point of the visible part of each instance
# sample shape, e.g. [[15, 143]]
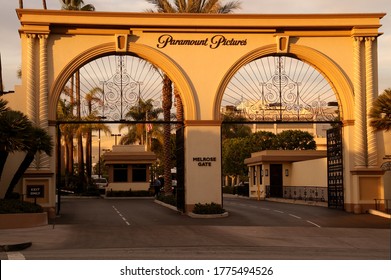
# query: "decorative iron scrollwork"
[[293, 92]]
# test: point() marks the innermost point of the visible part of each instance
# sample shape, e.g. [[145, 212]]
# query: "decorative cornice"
[[359, 23], [367, 171], [202, 123], [348, 122]]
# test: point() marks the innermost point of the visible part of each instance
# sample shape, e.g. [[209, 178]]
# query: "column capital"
[[43, 36], [358, 38], [31, 35], [370, 39]]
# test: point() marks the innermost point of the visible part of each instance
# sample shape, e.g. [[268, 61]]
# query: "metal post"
[[99, 173], [58, 169]]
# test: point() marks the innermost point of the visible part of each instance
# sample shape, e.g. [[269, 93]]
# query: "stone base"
[[23, 220]]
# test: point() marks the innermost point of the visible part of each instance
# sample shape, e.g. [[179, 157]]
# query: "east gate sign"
[[201, 53]]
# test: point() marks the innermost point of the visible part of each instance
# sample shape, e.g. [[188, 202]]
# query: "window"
[[139, 173], [254, 175], [120, 173], [261, 175]]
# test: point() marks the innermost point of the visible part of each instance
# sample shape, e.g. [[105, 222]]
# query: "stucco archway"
[[201, 53], [338, 79], [155, 57]]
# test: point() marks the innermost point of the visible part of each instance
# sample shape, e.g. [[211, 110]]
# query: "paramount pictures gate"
[[342, 47], [335, 182]]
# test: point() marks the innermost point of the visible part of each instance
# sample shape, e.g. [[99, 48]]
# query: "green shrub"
[[212, 208], [168, 199], [229, 190], [11, 206], [242, 190]]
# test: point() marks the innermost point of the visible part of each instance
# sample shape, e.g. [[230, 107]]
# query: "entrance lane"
[[252, 231], [315, 215], [258, 214]]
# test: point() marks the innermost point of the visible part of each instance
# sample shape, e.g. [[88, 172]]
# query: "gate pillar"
[[203, 163], [366, 178]]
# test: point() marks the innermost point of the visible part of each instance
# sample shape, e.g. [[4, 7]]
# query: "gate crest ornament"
[[281, 88]]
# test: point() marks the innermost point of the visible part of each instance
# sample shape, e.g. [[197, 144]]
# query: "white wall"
[[309, 173]]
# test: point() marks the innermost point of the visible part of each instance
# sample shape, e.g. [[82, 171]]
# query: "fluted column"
[[30, 82], [360, 127], [32, 101], [371, 93], [43, 94]]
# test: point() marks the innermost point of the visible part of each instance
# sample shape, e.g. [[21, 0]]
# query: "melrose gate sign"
[[201, 54]]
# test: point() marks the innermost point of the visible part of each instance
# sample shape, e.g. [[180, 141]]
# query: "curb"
[[207, 216], [379, 213], [166, 205], [15, 247]]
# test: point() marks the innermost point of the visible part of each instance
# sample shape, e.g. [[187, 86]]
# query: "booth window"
[[120, 172], [139, 173], [260, 177], [254, 175]]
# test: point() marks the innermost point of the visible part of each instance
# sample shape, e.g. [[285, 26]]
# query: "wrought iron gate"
[[180, 157], [335, 168]]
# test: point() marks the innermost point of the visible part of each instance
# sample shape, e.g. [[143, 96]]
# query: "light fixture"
[[266, 172], [286, 172]]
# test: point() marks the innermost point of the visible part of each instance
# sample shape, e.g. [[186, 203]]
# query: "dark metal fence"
[[306, 193], [383, 205]]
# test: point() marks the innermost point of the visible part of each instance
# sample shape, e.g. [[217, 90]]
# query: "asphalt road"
[[141, 229]]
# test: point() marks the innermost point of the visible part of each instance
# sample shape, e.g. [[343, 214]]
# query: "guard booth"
[[288, 175], [129, 167]]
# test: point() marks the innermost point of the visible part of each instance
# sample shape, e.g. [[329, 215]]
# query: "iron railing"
[[383, 205], [306, 193]]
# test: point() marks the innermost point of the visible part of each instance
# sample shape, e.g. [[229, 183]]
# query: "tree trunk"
[[44, 5], [28, 159], [3, 160], [80, 153], [69, 148], [89, 155], [167, 104], [80, 162], [179, 107]]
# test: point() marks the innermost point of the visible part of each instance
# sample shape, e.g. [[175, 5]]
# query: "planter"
[[207, 216], [23, 220]]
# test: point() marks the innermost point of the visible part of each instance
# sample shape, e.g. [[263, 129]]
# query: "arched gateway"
[[201, 53]]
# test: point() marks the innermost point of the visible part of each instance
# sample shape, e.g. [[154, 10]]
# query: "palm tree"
[[14, 127], [144, 111], [380, 113], [194, 6], [65, 113], [44, 5], [182, 6], [90, 98], [76, 5], [3, 106], [37, 140]]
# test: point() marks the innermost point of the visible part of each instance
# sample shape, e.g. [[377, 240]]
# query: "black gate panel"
[[180, 158], [335, 168]]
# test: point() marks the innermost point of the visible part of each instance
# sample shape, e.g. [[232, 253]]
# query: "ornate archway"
[[201, 53]]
